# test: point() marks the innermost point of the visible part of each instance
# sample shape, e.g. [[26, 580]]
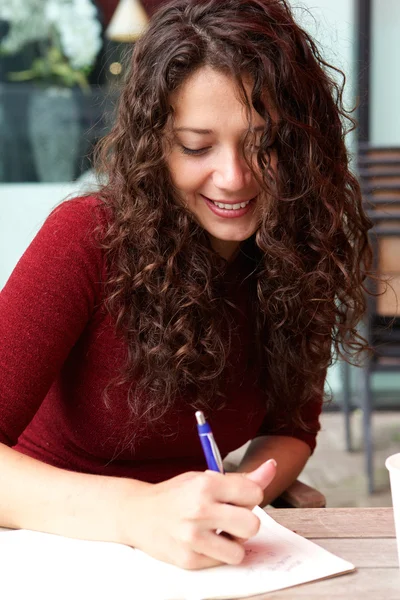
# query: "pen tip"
[[200, 417]]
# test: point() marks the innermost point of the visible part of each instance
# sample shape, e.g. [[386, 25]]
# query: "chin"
[[237, 237]]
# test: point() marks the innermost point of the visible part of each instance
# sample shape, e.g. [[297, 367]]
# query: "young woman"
[[216, 270]]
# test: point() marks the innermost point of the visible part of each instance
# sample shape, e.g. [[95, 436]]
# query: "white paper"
[[42, 565]]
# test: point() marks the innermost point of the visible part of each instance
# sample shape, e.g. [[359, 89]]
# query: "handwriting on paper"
[[272, 556]]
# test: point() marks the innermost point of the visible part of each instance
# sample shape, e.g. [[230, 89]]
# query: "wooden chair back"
[[379, 172]]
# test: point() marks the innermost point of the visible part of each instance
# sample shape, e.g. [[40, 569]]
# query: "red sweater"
[[59, 349]]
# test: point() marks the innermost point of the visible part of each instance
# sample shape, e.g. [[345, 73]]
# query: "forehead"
[[209, 97]]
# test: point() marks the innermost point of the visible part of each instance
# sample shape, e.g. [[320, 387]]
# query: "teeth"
[[231, 206]]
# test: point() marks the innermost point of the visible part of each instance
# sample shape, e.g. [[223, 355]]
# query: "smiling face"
[[207, 159]]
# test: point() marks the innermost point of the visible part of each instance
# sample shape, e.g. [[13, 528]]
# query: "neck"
[[225, 248]]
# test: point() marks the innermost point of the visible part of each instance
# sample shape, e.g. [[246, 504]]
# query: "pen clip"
[[216, 453]]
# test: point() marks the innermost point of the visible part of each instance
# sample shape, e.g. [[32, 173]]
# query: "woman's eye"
[[192, 152]]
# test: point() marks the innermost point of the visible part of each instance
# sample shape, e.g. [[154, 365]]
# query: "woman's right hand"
[[176, 521]]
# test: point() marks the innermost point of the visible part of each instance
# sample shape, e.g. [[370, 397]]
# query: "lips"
[[231, 209]]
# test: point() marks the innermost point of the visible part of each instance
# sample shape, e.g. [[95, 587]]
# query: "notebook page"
[[51, 567], [59, 567]]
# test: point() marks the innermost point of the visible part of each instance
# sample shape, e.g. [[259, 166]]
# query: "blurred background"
[[61, 65]]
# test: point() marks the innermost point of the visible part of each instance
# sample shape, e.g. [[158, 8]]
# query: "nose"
[[231, 171]]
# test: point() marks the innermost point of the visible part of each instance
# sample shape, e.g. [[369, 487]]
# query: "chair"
[[379, 173], [300, 495]]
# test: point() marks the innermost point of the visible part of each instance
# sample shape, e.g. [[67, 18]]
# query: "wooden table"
[[363, 536]]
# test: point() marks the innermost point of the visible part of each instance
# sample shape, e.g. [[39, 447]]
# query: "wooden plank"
[[364, 553], [393, 193], [337, 522], [382, 154], [387, 302], [389, 255], [364, 584], [381, 179], [300, 495]]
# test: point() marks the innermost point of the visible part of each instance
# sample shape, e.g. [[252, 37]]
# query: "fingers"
[[184, 556], [238, 522], [234, 488], [194, 561], [188, 559], [264, 474], [196, 548], [218, 548]]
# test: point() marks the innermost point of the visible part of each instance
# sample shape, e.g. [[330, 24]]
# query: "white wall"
[[385, 73], [332, 25], [23, 208]]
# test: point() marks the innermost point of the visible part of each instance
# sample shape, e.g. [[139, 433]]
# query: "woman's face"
[[207, 158]]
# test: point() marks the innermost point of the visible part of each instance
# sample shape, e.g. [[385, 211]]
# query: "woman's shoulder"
[[64, 263], [70, 237], [83, 211], [80, 219]]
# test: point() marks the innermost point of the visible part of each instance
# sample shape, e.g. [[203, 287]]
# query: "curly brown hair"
[[310, 255]]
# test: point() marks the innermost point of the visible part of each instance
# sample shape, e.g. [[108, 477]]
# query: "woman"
[[225, 255]]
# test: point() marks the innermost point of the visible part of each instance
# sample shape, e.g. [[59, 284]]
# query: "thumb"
[[264, 474]]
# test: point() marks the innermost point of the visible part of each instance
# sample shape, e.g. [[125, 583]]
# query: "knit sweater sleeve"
[[44, 308], [277, 422]]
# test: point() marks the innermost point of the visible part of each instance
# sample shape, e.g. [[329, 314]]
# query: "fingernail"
[[273, 461]]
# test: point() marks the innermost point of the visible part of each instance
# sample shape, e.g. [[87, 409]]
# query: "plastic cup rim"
[[392, 463]]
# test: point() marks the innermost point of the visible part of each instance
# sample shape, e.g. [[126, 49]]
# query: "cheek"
[[188, 175]]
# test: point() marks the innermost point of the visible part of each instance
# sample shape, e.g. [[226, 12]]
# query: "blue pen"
[[210, 448]]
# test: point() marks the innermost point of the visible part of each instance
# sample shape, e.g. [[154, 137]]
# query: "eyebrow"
[[208, 131]]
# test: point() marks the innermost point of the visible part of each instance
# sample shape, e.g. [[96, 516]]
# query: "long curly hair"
[[310, 255]]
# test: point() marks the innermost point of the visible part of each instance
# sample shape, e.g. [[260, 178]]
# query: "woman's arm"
[[41, 497], [290, 454], [175, 521], [291, 449]]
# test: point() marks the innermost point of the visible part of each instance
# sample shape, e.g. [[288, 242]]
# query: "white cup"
[[393, 466]]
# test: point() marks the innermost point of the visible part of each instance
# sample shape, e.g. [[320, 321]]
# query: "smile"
[[229, 210], [231, 206]]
